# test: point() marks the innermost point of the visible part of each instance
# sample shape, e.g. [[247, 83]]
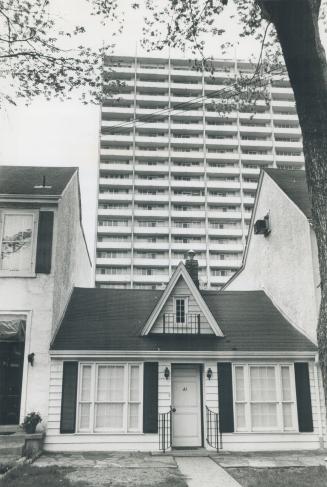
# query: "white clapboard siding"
[[164, 387], [181, 289]]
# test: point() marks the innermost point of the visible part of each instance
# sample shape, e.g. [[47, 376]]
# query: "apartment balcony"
[[202, 262], [156, 262], [222, 156], [149, 169], [217, 214], [290, 160], [249, 185], [223, 171], [288, 145], [267, 144], [189, 115], [114, 245], [184, 247], [115, 168], [187, 141], [286, 93], [248, 200], [187, 169], [287, 117], [192, 214], [224, 263], [219, 279], [183, 198], [155, 213], [115, 262], [152, 183], [226, 129], [283, 103], [152, 279], [116, 153], [138, 230], [110, 230], [152, 86], [139, 245], [189, 231], [189, 127], [151, 198], [117, 111], [192, 184], [187, 86], [255, 130], [112, 197], [188, 155], [154, 98], [219, 184], [287, 131], [225, 232], [116, 182], [126, 138], [247, 215], [258, 158], [188, 72], [115, 212], [151, 154], [250, 171], [224, 200], [227, 247], [255, 117], [114, 278], [152, 141], [222, 143]]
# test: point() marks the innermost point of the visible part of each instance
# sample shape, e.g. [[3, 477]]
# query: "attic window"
[[180, 306], [43, 185]]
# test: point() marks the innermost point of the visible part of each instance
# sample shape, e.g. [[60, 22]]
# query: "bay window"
[[109, 398], [264, 397]]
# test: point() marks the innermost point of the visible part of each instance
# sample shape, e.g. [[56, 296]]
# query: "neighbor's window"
[[180, 310], [264, 398], [110, 398], [17, 241]]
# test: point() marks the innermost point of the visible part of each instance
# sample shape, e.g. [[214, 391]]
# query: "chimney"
[[192, 266]]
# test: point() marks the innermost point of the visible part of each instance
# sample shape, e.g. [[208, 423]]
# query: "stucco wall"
[[282, 262], [72, 265]]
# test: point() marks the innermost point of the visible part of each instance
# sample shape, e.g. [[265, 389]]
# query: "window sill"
[[111, 433], [18, 274], [270, 432]]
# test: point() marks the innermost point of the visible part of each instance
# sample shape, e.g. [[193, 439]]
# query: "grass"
[[29, 476], [280, 477]]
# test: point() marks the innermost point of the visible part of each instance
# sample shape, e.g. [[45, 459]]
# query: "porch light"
[[167, 373], [30, 358], [209, 373]]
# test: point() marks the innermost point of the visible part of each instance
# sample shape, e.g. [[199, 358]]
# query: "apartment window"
[[109, 398], [180, 309], [264, 398], [17, 241]]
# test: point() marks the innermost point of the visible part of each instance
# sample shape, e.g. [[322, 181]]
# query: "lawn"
[[29, 476], [280, 477]]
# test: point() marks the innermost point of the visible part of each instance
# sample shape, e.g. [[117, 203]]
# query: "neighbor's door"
[[186, 400], [11, 373]]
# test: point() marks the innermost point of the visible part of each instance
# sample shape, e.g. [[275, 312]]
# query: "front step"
[[191, 452], [12, 444]]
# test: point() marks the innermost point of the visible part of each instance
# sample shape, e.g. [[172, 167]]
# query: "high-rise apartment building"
[[176, 175]]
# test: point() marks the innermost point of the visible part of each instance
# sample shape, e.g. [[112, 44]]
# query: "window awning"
[[12, 328]]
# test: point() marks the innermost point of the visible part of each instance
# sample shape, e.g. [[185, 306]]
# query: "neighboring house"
[[147, 369], [43, 255], [283, 260]]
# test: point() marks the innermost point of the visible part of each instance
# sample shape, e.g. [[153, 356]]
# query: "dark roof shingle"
[[294, 184], [112, 319], [21, 180]]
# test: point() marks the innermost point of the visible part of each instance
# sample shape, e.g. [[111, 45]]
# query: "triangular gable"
[[182, 272]]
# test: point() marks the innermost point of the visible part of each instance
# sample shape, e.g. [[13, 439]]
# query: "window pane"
[[84, 416], [86, 383], [240, 416], [180, 310], [239, 379], [109, 416], [264, 415], [286, 384], [287, 415], [134, 383], [16, 248], [110, 383], [133, 417], [263, 383]]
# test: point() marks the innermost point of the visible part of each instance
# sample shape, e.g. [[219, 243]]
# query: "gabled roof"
[[294, 184], [181, 272], [113, 320], [28, 180]]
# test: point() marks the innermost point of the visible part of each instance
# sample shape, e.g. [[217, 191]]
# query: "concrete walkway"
[[204, 472]]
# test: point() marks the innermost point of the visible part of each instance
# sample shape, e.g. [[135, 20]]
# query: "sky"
[[67, 133]]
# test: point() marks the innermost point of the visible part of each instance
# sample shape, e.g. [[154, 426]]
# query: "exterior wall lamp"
[[209, 373], [30, 358], [167, 373]]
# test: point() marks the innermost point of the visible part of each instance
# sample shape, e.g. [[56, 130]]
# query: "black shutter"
[[150, 397], [44, 242], [225, 397], [68, 398], [303, 397]]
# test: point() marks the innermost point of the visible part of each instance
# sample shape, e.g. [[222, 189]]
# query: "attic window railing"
[[173, 324]]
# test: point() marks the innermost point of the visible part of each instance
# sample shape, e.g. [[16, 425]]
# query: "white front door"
[[186, 400]]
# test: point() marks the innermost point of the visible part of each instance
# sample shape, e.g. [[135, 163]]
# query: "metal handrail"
[[165, 429], [214, 434], [191, 324]]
